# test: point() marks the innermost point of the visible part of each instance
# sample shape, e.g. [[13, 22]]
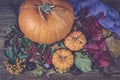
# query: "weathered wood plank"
[[7, 23], [4, 18], [5, 4], [4, 0], [4, 25], [1, 43], [4, 28], [2, 34], [61, 77], [7, 11]]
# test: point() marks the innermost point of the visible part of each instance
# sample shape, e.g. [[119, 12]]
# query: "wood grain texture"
[[8, 17]]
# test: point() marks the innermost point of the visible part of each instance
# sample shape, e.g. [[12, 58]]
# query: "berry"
[[30, 66]]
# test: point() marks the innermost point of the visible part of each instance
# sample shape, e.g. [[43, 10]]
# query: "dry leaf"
[[113, 45]]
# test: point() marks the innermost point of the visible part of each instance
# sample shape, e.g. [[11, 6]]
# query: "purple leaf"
[[103, 46], [96, 37], [96, 55], [91, 46], [104, 63]]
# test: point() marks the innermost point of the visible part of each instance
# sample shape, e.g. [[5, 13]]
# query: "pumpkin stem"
[[62, 58], [41, 13], [75, 38], [46, 8]]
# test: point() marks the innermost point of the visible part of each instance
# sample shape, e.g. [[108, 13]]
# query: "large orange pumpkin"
[[62, 60], [75, 41], [46, 21]]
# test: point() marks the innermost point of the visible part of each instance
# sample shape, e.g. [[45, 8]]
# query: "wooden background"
[[8, 17]]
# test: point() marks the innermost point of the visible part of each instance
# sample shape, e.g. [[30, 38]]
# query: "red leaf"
[[96, 37], [103, 46], [91, 46], [104, 63]]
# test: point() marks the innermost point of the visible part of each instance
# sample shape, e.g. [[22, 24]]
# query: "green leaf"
[[25, 46], [38, 46], [38, 72], [15, 51], [11, 61], [20, 40], [83, 62], [8, 31], [62, 45], [52, 51], [37, 53], [23, 56], [12, 27], [8, 55], [25, 40], [44, 46]]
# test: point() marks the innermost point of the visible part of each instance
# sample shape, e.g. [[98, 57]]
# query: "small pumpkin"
[[62, 60], [46, 21], [75, 41]]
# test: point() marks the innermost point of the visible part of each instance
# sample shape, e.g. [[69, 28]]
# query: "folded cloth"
[[79, 4], [111, 19]]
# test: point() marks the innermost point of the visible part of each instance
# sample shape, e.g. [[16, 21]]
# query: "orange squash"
[[75, 41], [62, 60], [46, 21]]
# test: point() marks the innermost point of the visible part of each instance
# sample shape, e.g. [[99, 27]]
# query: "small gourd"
[[62, 59], [75, 41]]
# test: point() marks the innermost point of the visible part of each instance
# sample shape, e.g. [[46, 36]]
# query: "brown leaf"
[[55, 46], [113, 45]]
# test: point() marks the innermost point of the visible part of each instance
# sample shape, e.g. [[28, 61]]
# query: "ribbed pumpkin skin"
[[62, 65], [54, 28], [75, 41]]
